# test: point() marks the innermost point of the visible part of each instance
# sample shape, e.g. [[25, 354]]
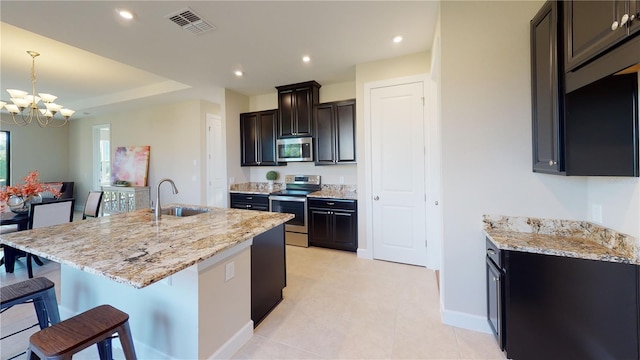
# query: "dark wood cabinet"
[[547, 93], [333, 223], [601, 125], [495, 292], [295, 105], [258, 138], [591, 27], [249, 201], [335, 129], [268, 272], [567, 308]]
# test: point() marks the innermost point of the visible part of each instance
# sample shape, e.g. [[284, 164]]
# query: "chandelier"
[[25, 106]]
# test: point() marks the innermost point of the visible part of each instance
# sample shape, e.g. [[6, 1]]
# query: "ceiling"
[[96, 62]]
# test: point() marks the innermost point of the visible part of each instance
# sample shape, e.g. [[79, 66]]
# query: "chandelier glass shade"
[[25, 106]]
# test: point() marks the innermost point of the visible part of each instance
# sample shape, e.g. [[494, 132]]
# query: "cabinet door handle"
[[376, 198], [248, 206], [496, 279], [614, 25], [624, 19], [551, 162], [331, 203], [491, 252], [249, 197]]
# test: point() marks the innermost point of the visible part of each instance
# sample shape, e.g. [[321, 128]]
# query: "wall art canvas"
[[131, 164]]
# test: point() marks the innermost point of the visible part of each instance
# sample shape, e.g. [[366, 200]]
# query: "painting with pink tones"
[[131, 164]]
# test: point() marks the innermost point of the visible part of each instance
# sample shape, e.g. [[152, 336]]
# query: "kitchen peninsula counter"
[[184, 281], [132, 248]]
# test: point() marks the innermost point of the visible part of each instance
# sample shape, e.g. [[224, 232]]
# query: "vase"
[[20, 205]]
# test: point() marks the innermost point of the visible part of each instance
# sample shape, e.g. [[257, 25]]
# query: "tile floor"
[[335, 306]]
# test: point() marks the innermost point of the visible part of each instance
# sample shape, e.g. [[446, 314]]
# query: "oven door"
[[296, 205]]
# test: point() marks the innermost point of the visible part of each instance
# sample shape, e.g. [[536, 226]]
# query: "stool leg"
[[41, 312], [105, 350], [51, 305], [124, 333]]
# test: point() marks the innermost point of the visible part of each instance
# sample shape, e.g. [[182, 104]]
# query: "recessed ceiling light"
[[125, 14], [238, 73], [397, 39], [306, 58]]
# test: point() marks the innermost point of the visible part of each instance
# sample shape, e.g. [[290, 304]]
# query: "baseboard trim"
[[365, 254], [466, 321], [234, 344]]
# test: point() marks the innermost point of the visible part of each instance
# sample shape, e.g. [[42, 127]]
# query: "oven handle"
[[288, 198]]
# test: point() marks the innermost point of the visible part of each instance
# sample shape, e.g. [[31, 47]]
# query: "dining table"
[[10, 254]]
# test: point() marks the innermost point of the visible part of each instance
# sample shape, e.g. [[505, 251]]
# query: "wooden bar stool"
[[39, 290], [94, 326]]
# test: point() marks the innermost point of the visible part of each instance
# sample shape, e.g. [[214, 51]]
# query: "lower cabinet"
[[333, 223], [566, 308], [250, 202], [268, 272]]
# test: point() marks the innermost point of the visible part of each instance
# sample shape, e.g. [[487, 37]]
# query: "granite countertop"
[[577, 239], [132, 248], [331, 191], [255, 188]]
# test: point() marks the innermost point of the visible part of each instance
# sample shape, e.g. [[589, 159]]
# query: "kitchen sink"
[[182, 211]]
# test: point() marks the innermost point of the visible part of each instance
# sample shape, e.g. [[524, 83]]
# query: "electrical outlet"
[[230, 271]]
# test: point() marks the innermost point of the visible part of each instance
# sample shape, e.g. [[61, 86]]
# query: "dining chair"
[[92, 205], [48, 214]]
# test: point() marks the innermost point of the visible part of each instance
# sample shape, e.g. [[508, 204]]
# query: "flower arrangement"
[[31, 188]]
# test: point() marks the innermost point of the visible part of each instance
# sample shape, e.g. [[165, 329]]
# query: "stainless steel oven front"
[[295, 229]]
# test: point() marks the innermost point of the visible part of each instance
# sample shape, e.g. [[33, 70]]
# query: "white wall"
[[176, 135], [34, 148], [486, 144]]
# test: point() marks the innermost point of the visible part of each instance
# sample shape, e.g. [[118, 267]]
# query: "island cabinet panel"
[[335, 133], [591, 27], [250, 201], [568, 308], [295, 105], [547, 94], [117, 199], [333, 223], [268, 272], [258, 138]]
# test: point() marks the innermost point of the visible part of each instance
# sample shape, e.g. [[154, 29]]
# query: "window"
[[5, 159]]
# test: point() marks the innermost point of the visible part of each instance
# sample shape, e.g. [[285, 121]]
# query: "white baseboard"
[[365, 254], [466, 321], [234, 344]]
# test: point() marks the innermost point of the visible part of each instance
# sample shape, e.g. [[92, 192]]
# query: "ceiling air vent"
[[188, 20]]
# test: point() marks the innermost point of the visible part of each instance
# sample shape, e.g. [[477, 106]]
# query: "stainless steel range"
[[293, 200]]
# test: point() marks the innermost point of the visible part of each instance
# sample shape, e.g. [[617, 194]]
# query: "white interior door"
[[216, 162], [398, 173]]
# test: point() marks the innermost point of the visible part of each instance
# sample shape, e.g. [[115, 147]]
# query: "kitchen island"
[[184, 281]]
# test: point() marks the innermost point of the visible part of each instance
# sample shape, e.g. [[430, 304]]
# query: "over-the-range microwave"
[[295, 149]]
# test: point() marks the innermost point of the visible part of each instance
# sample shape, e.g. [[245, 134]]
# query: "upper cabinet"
[[592, 27], [547, 93], [335, 131], [258, 138], [295, 103]]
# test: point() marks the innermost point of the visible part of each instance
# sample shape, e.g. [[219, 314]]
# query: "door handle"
[[376, 198]]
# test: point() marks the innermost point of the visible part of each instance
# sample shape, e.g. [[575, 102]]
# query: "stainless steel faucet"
[[175, 191]]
